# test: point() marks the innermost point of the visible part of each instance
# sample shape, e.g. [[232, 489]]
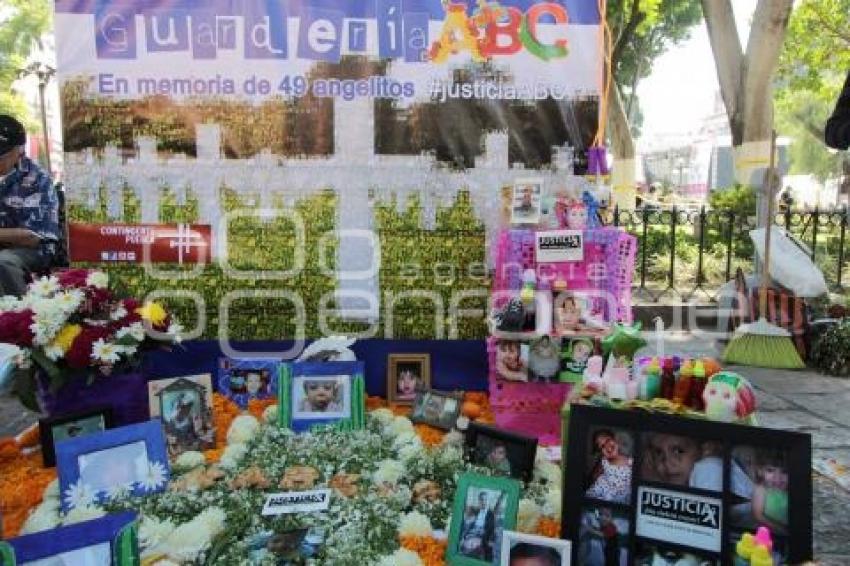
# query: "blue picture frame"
[[231, 370], [347, 409], [130, 458], [119, 530]]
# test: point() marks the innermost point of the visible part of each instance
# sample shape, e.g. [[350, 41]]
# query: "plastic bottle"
[[651, 381], [681, 393], [668, 379], [698, 382]]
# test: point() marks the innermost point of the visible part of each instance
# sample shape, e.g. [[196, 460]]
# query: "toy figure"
[[623, 340], [576, 216], [543, 362], [729, 397]]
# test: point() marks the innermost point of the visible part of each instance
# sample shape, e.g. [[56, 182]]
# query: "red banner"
[[165, 243]]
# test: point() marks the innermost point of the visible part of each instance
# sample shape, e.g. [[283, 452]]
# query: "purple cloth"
[[597, 161], [126, 393]]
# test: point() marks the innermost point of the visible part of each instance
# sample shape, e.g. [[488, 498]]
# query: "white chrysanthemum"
[[81, 514], [189, 460], [270, 414], [449, 455], [549, 472], [410, 451], [175, 330], [10, 303], [53, 352], [44, 286], [389, 472], [68, 301], [415, 524], [79, 495], [401, 557], [120, 491], [406, 437], [98, 279], [103, 351], [128, 350], [135, 330], [153, 531], [232, 454], [189, 540], [154, 477], [453, 438], [118, 312], [242, 429], [52, 490], [527, 515], [552, 503], [42, 519], [383, 415], [398, 425]]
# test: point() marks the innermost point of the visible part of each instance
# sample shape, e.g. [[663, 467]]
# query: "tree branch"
[[635, 19], [728, 57]]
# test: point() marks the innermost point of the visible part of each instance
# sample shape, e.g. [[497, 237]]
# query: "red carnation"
[[15, 328], [79, 354], [74, 278]]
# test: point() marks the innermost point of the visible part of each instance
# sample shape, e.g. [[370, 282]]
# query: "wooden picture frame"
[[516, 457], [184, 405], [534, 547], [129, 458], [412, 380], [720, 468], [99, 417], [437, 408], [112, 537], [339, 399], [498, 499]]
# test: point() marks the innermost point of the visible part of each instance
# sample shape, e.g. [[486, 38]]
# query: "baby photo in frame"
[[523, 549], [70, 425], [321, 393], [407, 374], [484, 509], [436, 408], [130, 459], [527, 201], [242, 380], [504, 452], [184, 404], [110, 540]]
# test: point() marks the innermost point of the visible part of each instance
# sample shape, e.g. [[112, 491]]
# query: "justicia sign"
[[417, 31]]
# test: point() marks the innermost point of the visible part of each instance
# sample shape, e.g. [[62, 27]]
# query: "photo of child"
[[544, 359], [768, 471], [574, 359], [408, 380], [609, 474], [603, 538], [526, 203], [243, 380], [511, 360], [569, 313], [319, 396]]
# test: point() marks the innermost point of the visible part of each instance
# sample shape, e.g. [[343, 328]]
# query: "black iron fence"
[[690, 253]]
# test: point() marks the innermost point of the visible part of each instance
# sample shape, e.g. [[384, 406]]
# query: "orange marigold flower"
[[257, 406], [430, 550], [548, 527]]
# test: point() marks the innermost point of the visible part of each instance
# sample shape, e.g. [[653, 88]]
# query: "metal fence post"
[[673, 220], [729, 233], [701, 246], [815, 215], [841, 239]]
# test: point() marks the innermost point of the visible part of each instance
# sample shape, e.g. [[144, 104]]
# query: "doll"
[[577, 216], [729, 397]]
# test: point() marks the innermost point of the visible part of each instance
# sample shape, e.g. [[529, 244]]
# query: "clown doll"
[[729, 397]]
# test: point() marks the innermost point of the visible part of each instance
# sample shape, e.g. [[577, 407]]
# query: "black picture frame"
[[583, 420], [521, 449], [444, 420], [46, 425]]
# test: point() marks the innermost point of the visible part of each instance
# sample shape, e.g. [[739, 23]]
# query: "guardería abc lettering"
[[681, 508], [262, 30]]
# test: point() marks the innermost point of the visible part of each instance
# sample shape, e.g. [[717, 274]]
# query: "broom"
[[761, 343]]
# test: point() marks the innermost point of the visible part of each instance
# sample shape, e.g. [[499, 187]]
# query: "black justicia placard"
[[680, 518], [680, 507]]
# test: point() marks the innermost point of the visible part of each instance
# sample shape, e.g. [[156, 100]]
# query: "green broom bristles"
[[763, 345]]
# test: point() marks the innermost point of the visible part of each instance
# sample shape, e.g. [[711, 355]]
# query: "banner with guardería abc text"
[[168, 102]]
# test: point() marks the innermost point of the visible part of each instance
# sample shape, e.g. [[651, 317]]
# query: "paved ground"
[[802, 401]]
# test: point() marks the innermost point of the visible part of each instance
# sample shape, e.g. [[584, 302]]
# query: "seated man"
[[29, 212]]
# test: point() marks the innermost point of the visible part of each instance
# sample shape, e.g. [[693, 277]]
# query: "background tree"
[[812, 68], [22, 24]]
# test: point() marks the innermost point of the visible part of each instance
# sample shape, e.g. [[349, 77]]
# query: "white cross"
[[186, 239]]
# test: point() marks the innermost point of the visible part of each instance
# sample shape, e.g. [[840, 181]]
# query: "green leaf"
[[45, 363]]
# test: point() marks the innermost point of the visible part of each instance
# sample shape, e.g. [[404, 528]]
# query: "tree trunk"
[[624, 180]]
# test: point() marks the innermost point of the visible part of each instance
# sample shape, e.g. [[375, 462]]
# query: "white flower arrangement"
[[383, 415], [547, 472], [188, 460], [411, 451], [188, 541], [242, 429], [153, 531], [388, 472], [270, 414], [232, 455], [154, 476], [552, 503], [401, 557], [398, 425], [79, 494], [453, 438], [97, 279], [528, 514], [415, 524], [42, 519], [405, 438], [81, 514]]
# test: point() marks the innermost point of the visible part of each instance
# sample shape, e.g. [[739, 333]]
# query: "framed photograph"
[[506, 453], [131, 459], [484, 508], [526, 202], [184, 404], [242, 380], [407, 374], [437, 408], [321, 393], [106, 541], [70, 425], [685, 487], [521, 549]]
